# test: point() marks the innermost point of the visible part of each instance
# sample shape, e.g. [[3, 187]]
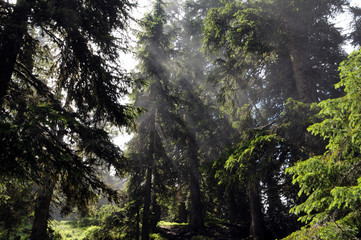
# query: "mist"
[[192, 119]]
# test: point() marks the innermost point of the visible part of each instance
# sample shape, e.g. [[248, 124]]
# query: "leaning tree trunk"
[[41, 214], [11, 39], [196, 213]]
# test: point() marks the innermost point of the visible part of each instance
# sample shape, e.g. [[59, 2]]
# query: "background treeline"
[[245, 118]]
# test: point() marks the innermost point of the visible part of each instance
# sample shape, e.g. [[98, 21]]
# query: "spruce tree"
[[331, 181], [269, 51], [60, 89], [158, 120]]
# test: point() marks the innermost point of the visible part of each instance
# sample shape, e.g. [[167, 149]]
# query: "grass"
[[68, 230], [169, 224]]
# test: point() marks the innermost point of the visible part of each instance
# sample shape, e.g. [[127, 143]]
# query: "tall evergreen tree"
[[269, 51], [60, 86], [182, 116], [84, 36], [331, 182], [154, 55], [258, 38], [207, 130]]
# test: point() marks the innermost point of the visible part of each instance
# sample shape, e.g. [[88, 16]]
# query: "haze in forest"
[[129, 61], [243, 119]]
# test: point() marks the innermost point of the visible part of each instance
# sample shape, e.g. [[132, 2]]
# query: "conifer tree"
[[60, 87], [331, 182], [269, 51], [155, 97], [257, 38]]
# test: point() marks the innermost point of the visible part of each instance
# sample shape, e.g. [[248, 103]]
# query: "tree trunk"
[[302, 71], [196, 213], [148, 181], [232, 205], [156, 209], [137, 232], [289, 86], [147, 201], [41, 214], [8, 233], [275, 206], [256, 229], [182, 213], [11, 39]]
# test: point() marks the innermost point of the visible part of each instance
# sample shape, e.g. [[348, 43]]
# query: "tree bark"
[[196, 213], [256, 229], [137, 232], [41, 214], [181, 213], [156, 211], [302, 71], [11, 39], [147, 201], [275, 206], [148, 181], [232, 205], [289, 86]]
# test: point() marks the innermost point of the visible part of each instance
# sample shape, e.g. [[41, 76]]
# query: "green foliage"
[[97, 218], [156, 236], [252, 151], [255, 43], [243, 26], [55, 109], [295, 120], [54, 235], [108, 222], [67, 229], [96, 233], [60, 87], [16, 204], [332, 181], [335, 230], [123, 222]]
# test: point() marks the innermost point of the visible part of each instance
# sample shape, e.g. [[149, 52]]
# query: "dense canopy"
[[244, 118]]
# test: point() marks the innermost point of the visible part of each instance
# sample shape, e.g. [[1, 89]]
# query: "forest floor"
[[69, 230], [217, 232]]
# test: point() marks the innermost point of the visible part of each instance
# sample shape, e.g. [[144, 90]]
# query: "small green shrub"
[[156, 236], [96, 233]]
